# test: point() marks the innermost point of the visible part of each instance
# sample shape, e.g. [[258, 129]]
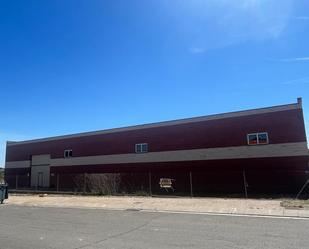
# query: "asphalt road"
[[63, 228]]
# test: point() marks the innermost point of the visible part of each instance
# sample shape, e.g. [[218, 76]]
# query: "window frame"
[[141, 146], [267, 139], [69, 152], [257, 138], [248, 140]]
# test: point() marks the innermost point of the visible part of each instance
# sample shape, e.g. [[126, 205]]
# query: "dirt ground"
[[197, 205]]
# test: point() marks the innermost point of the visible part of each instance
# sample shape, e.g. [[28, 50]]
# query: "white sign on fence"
[[166, 183]]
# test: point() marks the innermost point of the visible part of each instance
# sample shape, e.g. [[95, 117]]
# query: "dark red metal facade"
[[282, 127], [267, 173]]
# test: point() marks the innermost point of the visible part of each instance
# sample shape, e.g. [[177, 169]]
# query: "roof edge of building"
[[249, 112]]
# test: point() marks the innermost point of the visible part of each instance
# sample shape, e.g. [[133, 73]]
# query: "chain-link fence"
[[18, 181], [104, 184], [172, 183]]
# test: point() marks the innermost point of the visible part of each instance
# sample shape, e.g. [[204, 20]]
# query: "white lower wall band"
[[236, 152]]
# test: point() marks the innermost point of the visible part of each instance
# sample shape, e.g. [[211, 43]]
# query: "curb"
[[299, 217]]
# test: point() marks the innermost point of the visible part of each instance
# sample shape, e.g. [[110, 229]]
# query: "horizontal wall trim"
[[168, 123], [17, 164], [43, 159], [236, 152]]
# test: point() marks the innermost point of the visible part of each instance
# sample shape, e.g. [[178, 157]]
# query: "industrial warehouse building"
[[256, 151]]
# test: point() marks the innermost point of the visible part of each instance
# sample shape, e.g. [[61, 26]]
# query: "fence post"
[[302, 189], [84, 190], [191, 185], [37, 183], [149, 178], [245, 183], [57, 182], [16, 182]]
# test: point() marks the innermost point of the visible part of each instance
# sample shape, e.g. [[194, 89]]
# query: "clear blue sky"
[[72, 66]]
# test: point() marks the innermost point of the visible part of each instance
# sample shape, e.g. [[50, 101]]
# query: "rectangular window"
[[257, 138], [252, 139], [68, 153], [141, 148], [263, 138]]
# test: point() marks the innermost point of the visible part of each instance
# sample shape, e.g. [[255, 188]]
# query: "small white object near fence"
[[166, 183]]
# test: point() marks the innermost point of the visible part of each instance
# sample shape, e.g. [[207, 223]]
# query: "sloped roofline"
[[278, 108]]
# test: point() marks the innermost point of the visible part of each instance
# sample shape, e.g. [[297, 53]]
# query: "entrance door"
[[40, 176], [40, 170], [40, 179]]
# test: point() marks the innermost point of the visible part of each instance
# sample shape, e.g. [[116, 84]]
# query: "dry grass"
[[295, 204]]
